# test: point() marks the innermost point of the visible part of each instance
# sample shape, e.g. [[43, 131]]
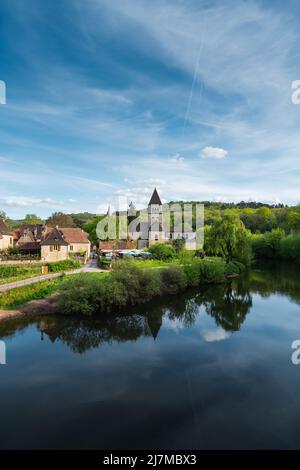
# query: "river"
[[209, 369]]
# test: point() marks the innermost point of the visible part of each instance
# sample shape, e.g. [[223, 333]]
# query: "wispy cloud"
[[213, 152]]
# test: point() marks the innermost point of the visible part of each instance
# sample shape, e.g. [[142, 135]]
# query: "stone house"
[[6, 236], [60, 243]]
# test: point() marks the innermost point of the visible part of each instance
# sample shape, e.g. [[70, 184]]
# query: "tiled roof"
[[74, 235], [116, 245], [54, 238]]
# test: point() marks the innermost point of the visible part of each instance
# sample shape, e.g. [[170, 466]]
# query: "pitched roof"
[[54, 238], [74, 235], [155, 199], [4, 230], [36, 229]]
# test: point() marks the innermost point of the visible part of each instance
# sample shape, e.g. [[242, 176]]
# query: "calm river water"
[[210, 369]]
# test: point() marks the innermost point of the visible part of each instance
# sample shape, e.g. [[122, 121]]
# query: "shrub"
[[128, 274], [192, 273], [12, 250], [230, 269], [150, 284], [267, 245], [65, 265], [212, 270], [79, 296], [185, 256], [163, 251], [173, 279], [8, 271], [290, 248]]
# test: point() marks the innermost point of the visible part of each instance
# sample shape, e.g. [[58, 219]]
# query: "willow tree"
[[229, 238]]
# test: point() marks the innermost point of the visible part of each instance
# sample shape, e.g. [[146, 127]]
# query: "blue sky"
[[108, 98]]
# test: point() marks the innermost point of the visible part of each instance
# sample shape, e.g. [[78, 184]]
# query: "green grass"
[[19, 273], [16, 298], [155, 263]]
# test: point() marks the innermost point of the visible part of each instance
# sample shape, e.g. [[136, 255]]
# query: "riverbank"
[[47, 306], [129, 283]]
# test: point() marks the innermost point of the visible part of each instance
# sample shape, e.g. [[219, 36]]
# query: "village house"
[[52, 244], [6, 236], [60, 243]]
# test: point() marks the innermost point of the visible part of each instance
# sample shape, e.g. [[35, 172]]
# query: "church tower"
[[155, 218]]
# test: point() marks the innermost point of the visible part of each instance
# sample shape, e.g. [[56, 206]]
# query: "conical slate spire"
[[155, 199]]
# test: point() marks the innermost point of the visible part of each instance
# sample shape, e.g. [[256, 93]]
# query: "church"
[[153, 225]]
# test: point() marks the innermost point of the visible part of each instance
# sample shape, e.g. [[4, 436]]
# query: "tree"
[[162, 251], [229, 238], [91, 227], [61, 220], [293, 219], [3, 215], [32, 219]]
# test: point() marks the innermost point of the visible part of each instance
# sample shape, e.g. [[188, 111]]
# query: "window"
[[71, 247]]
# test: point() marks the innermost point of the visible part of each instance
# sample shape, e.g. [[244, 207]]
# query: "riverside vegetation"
[[130, 284], [229, 248]]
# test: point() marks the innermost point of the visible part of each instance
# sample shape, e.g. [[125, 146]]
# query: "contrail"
[[195, 77]]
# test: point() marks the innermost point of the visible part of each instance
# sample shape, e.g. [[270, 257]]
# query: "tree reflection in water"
[[228, 304]]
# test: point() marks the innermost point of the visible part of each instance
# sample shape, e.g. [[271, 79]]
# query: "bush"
[[150, 284], [267, 245], [8, 271], [290, 248], [212, 270], [12, 250], [192, 273], [173, 279], [162, 251], [129, 284], [78, 296], [16, 271], [65, 265], [104, 262], [185, 256]]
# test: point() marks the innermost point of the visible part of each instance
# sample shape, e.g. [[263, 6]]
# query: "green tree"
[[91, 226], [61, 220], [293, 219], [32, 219], [229, 238], [162, 251]]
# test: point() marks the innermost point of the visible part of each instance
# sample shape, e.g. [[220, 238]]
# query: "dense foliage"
[[163, 251], [128, 285], [65, 265]]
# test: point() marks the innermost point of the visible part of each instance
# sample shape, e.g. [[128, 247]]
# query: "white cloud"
[[213, 152], [19, 201], [215, 335]]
